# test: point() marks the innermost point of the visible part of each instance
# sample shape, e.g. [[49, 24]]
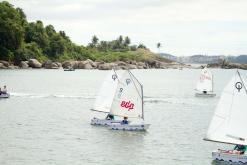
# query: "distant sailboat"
[[4, 95], [105, 97], [128, 103], [205, 84], [229, 121]]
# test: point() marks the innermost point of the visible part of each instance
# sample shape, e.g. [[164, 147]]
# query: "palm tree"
[[95, 40], [158, 46], [126, 41]]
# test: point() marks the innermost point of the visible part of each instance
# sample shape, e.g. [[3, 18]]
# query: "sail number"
[[204, 77], [127, 104]]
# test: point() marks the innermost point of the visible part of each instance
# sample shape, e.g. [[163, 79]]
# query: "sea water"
[[47, 119]]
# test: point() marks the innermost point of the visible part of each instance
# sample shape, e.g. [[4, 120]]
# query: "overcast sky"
[[183, 27]]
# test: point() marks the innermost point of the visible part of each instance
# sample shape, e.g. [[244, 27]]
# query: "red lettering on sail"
[[128, 105], [204, 77]]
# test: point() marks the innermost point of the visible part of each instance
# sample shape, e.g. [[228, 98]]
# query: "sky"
[[183, 27]]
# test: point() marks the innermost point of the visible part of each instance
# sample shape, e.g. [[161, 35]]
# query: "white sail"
[[205, 82], [128, 100], [107, 91], [229, 121]]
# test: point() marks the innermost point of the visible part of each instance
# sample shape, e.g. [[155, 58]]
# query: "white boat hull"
[[5, 95], [205, 94], [129, 127], [103, 122], [230, 158]]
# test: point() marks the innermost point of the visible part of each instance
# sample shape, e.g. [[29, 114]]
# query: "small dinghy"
[[224, 156], [4, 95], [229, 122], [204, 86], [105, 97], [69, 69], [128, 103]]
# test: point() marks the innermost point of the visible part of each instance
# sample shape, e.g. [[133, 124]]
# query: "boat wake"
[[157, 100], [32, 95]]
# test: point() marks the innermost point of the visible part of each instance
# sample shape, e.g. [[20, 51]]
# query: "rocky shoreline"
[[89, 64]]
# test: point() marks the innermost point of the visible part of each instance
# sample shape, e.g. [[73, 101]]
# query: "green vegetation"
[[21, 40]]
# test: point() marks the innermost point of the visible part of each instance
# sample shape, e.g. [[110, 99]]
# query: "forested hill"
[[21, 40]]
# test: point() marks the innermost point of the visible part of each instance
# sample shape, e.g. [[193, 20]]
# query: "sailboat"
[[205, 84], [229, 121], [105, 97], [128, 103], [4, 95]]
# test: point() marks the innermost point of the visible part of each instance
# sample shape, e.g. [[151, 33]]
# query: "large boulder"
[[72, 64], [2, 66], [120, 63], [5, 63], [23, 64], [106, 66], [13, 67], [85, 65], [50, 65], [97, 63], [34, 63]]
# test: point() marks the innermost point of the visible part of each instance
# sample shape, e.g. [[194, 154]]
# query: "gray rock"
[[23, 65], [50, 65], [5, 63], [2, 66], [13, 67], [85, 64], [34, 63], [68, 64], [106, 66]]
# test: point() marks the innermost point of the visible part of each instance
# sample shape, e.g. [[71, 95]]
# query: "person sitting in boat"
[[109, 117], [125, 121], [205, 92], [4, 91], [239, 149], [0, 91]]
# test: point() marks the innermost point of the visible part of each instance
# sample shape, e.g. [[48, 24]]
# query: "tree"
[[158, 46], [120, 39], [126, 41], [95, 40], [142, 46], [11, 30], [35, 32]]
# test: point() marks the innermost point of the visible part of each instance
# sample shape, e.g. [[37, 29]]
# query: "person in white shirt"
[[4, 90]]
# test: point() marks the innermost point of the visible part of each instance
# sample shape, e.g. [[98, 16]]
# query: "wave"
[[32, 95]]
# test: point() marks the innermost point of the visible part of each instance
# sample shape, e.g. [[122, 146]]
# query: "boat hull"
[[129, 127], [103, 122], [227, 157], [7, 95], [205, 94]]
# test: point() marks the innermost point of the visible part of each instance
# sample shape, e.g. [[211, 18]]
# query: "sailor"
[[109, 117], [0, 91], [125, 121], [205, 92], [4, 91], [239, 149]]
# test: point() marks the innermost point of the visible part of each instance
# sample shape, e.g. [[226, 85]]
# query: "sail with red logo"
[[128, 99], [228, 124], [205, 83]]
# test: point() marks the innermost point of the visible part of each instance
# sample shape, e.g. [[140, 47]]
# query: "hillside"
[[22, 40]]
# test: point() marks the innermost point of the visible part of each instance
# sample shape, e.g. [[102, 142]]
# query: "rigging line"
[[131, 75], [242, 81]]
